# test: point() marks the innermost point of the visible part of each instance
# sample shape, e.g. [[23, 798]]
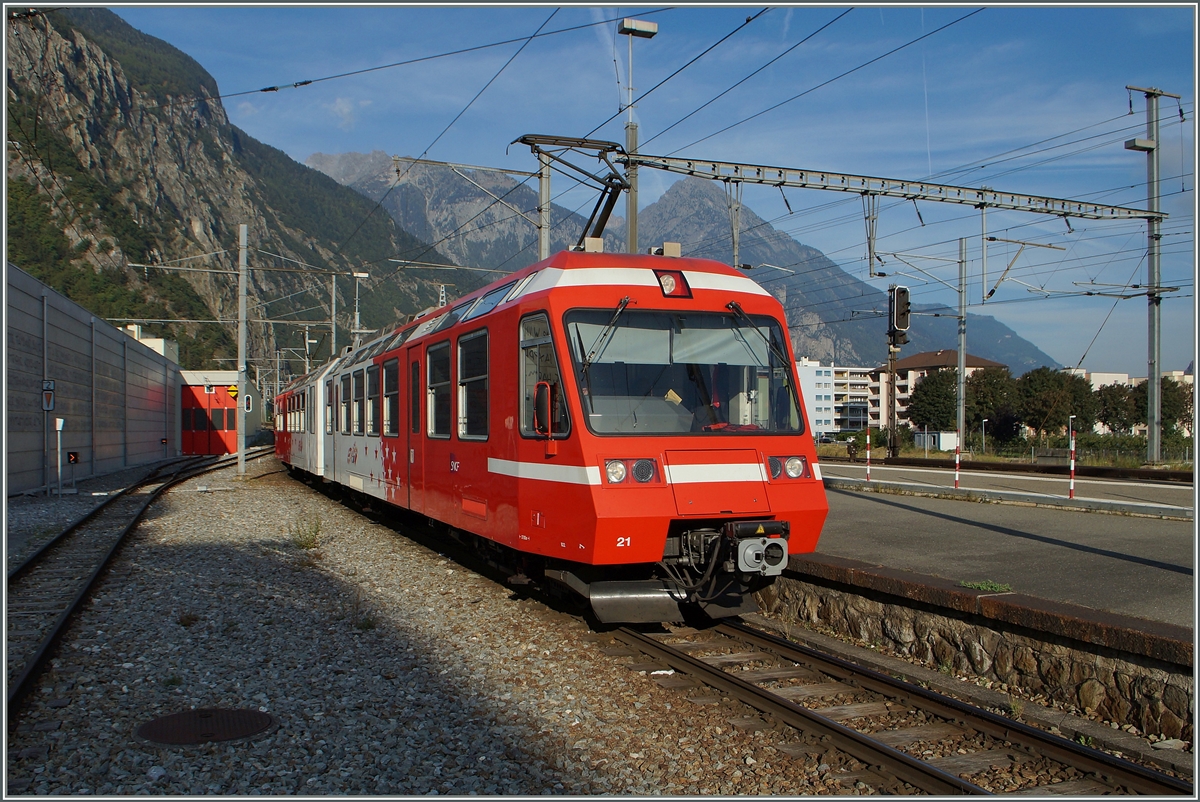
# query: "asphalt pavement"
[[1136, 566]]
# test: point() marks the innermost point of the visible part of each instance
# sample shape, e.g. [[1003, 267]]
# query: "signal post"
[[899, 314]]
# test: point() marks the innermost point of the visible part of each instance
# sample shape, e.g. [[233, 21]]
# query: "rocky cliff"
[[120, 153]]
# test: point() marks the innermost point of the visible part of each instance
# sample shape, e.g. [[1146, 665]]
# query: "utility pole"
[[358, 330], [962, 346], [1153, 278], [307, 342], [543, 206], [642, 30], [242, 378], [333, 317]]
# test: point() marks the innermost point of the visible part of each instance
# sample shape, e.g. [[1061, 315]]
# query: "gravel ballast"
[[389, 668]]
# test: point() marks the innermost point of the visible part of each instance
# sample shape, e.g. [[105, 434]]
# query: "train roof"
[[557, 270]]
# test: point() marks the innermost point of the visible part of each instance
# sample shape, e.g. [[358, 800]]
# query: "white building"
[[835, 397]]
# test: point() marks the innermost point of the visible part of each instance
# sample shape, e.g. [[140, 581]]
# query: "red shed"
[[208, 412]]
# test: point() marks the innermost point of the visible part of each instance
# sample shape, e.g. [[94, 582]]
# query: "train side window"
[[473, 385], [357, 409], [312, 418], [539, 364], [345, 423], [373, 400], [414, 395], [391, 398], [438, 357], [329, 403]]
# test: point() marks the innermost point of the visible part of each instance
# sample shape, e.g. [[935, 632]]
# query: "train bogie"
[[627, 427]]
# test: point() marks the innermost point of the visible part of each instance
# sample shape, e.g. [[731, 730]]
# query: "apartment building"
[[836, 397]]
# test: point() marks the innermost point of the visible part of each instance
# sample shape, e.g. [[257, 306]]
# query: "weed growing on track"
[[305, 531]]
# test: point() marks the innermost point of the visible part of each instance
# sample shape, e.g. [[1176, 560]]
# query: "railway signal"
[[899, 314]]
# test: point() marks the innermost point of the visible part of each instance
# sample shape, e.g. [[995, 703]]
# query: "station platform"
[[1140, 567]]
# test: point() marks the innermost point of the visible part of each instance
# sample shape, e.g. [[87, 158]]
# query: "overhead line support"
[[887, 187]]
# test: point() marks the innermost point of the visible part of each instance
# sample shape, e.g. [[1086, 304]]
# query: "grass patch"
[[987, 585], [305, 531]]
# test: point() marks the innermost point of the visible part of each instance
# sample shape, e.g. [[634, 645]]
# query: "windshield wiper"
[[595, 350], [736, 308]]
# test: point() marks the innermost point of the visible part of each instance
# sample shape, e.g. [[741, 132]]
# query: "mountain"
[[456, 208], [121, 155], [825, 305]]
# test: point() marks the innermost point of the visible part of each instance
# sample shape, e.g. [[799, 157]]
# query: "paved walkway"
[[1142, 567]]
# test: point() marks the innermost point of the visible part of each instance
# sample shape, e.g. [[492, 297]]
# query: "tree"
[[934, 403], [1174, 403], [1048, 397], [992, 394], [1116, 408]]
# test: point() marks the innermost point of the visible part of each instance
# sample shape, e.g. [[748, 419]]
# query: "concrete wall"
[[1125, 670], [118, 397]]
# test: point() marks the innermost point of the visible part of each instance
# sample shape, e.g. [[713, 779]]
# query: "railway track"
[[871, 728], [47, 587]]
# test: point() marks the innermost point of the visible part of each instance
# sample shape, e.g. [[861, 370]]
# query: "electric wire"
[[715, 98], [826, 83], [457, 117], [694, 59]]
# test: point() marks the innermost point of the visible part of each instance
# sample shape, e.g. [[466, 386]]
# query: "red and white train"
[[628, 427]]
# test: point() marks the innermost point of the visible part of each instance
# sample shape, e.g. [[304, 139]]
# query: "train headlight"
[[615, 469], [794, 467]]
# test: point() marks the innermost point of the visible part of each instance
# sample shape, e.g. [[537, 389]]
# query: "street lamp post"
[[983, 436], [642, 30]]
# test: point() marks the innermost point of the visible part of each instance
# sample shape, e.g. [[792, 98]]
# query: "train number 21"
[[624, 541]]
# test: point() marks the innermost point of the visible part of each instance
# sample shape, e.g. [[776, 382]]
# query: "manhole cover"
[[201, 726]]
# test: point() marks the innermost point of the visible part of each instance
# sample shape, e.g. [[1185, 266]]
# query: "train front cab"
[[663, 446]]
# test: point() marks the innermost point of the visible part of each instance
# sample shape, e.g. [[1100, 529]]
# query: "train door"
[[327, 438], [416, 437]]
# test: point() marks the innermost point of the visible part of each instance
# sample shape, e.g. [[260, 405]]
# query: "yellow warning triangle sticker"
[[760, 530]]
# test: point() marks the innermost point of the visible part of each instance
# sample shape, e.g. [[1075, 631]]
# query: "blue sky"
[[1023, 99]]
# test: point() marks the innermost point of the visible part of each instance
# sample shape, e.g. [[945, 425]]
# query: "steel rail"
[[902, 766], [1116, 770], [21, 683], [80, 521]]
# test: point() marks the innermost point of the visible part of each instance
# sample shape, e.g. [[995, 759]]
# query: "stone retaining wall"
[[1150, 686]]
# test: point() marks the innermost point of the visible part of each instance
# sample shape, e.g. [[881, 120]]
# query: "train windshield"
[[643, 372]]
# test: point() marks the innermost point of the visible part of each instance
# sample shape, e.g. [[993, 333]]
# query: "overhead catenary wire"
[[449, 125], [693, 60], [717, 97], [827, 82]]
